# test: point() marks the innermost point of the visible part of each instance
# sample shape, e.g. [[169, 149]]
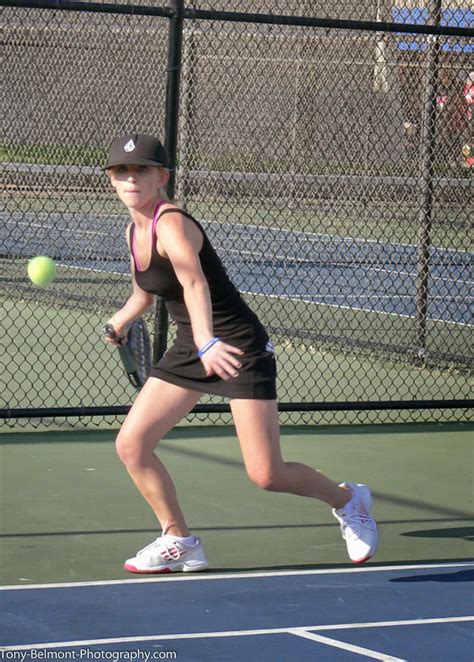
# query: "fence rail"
[[179, 10]]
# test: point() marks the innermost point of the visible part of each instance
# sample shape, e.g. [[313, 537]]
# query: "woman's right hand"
[[220, 360], [114, 334]]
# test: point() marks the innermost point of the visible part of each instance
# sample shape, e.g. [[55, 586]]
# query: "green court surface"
[[70, 512]]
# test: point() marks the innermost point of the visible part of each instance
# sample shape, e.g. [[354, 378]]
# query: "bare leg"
[[257, 426], [156, 410]]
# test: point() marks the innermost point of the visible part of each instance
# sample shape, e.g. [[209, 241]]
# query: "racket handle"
[[126, 356], [109, 332], [127, 360]]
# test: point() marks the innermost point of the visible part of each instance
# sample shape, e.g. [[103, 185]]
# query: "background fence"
[[329, 156]]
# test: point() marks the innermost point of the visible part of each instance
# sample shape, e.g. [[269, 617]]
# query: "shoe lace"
[[351, 523]]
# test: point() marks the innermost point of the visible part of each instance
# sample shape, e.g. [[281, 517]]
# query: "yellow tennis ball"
[[41, 270]]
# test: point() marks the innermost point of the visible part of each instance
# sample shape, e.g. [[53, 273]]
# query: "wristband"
[[207, 346]]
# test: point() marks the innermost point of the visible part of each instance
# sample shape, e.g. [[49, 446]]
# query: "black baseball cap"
[[136, 149]]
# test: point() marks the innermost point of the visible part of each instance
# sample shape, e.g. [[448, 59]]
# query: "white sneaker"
[[167, 554], [358, 528]]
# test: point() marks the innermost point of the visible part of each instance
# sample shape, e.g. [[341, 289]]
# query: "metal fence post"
[[175, 40], [186, 117], [428, 139]]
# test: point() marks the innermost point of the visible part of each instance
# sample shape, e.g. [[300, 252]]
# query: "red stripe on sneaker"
[[132, 568], [360, 561]]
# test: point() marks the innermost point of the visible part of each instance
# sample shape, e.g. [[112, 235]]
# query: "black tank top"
[[233, 320]]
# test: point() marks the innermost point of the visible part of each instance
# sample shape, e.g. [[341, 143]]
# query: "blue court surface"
[[410, 612], [359, 274]]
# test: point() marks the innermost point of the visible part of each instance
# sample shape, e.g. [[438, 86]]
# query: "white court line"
[[366, 267], [297, 298], [76, 230], [294, 298], [398, 273], [238, 575], [299, 632], [312, 236], [351, 308], [315, 303], [351, 265], [379, 297], [234, 633], [344, 238], [282, 257]]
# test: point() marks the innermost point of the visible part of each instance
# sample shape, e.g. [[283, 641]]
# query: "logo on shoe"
[[172, 552]]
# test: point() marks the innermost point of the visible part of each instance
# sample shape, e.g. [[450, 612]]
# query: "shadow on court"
[[464, 532], [77, 515], [459, 576]]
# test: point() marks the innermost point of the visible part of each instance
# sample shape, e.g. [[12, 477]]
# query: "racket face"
[[139, 346]]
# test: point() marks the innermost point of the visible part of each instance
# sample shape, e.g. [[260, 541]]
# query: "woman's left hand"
[[221, 360]]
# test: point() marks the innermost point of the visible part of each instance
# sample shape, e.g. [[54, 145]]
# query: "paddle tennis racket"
[[136, 354]]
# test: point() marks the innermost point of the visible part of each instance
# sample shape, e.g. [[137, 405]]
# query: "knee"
[[268, 479], [130, 450]]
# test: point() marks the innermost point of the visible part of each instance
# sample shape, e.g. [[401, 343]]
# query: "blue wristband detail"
[[207, 346]]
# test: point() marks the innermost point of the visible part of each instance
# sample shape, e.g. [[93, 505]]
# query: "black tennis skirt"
[[256, 380]]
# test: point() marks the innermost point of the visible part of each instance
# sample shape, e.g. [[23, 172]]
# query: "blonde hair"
[[163, 193]]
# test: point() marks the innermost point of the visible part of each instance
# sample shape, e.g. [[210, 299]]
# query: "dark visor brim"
[[132, 161]]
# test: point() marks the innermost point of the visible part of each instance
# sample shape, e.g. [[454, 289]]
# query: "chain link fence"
[[330, 162]]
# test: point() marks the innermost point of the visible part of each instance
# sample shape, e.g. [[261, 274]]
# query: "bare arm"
[[181, 241], [134, 307]]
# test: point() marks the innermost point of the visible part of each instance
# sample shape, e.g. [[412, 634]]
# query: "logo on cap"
[[130, 146]]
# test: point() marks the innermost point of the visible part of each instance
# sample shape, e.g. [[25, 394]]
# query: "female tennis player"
[[221, 348]]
